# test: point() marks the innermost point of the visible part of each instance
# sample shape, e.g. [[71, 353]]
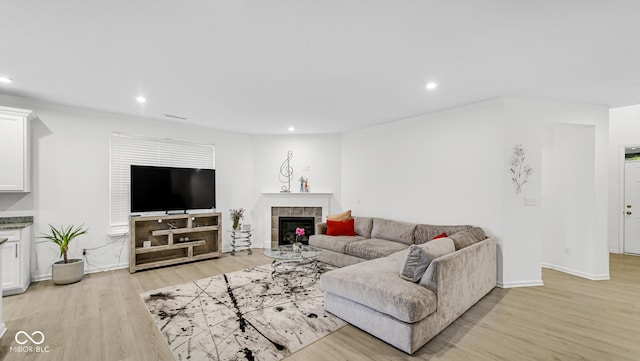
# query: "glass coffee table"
[[299, 268]]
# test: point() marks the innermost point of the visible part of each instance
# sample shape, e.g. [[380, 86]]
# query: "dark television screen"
[[171, 189]]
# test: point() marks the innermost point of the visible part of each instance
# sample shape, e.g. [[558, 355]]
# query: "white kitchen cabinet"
[[15, 152], [16, 273], [11, 265]]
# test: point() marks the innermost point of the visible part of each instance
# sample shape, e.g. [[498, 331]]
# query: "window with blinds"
[[130, 149]]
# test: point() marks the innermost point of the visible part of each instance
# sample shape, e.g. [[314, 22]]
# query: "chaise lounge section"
[[371, 295]]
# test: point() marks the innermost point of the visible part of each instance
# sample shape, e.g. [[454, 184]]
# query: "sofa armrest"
[[462, 278], [321, 228]]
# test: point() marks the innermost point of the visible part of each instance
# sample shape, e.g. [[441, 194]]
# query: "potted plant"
[[67, 270], [236, 216]]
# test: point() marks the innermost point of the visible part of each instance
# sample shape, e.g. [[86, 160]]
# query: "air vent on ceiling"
[[175, 116]]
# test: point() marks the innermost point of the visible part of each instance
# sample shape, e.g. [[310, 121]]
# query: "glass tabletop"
[[287, 253]]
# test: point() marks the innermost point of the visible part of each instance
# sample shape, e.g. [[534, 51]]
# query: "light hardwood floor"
[[570, 318]]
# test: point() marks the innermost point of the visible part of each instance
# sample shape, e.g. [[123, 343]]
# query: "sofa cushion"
[[321, 228], [419, 257], [333, 243], [393, 230], [340, 228], [376, 284], [414, 265], [363, 226], [466, 238], [373, 248], [340, 216], [426, 232]]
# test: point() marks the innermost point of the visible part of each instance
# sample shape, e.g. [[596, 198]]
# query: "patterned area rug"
[[244, 315]]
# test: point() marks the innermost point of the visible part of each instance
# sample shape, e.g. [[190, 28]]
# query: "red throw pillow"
[[441, 235], [341, 228]]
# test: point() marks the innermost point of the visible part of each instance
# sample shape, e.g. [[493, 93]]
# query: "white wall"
[[569, 214], [442, 168], [71, 176], [452, 167], [624, 130], [536, 124], [315, 157]]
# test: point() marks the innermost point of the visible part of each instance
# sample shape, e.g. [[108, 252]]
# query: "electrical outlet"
[[567, 250]]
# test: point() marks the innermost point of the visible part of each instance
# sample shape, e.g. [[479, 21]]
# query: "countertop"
[[15, 222]]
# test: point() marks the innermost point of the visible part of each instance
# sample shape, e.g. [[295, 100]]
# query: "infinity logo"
[[29, 337]]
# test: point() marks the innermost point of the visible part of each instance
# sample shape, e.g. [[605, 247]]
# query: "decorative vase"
[[236, 224], [296, 247], [65, 273]]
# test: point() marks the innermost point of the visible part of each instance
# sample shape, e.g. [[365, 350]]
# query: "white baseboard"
[[514, 284], [589, 276], [88, 269], [614, 250]]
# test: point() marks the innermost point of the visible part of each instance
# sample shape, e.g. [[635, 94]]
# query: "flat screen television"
[[171, 189]]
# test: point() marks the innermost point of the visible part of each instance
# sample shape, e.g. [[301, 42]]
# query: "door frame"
[[621, 193]]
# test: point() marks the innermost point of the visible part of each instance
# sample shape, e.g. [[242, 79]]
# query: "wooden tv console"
[[174, 239]]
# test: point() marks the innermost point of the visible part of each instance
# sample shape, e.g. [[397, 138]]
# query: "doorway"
[[631, 207]]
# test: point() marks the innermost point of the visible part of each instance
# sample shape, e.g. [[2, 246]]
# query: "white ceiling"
[[322, 66]]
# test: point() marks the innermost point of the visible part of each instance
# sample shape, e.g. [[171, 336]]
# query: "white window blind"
[[130, 149]]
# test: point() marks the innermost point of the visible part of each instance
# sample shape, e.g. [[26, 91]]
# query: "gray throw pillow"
[[414, 264], [419, 257], [466, 238]]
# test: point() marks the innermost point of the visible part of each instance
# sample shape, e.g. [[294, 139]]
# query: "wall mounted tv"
[[171, 189]]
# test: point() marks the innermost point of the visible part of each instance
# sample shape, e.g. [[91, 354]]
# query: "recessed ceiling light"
[[5, 79], [431, 85], [291, 129], [141, 100]]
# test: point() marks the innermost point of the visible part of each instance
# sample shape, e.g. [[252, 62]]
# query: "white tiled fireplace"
[[298, 203]]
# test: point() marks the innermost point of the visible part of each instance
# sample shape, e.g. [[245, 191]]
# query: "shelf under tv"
[[203, 230]]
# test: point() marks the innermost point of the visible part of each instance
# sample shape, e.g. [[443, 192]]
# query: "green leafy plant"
[[62, 236]]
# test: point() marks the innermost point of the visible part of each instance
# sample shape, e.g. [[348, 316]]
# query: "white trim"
[[514, 284], [613, 250], [87, 270], [118, 231], [589, 276], [3, 329], [621, 161]]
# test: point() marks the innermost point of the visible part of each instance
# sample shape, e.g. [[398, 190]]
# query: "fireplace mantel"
[[290, 199]]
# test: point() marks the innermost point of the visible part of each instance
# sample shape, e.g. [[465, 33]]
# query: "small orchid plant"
[[299, 233]]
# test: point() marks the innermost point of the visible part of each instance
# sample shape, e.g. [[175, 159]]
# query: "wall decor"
[[286, 172], [520, 172]]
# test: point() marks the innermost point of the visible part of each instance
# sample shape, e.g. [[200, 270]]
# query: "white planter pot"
[[65, 273]]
